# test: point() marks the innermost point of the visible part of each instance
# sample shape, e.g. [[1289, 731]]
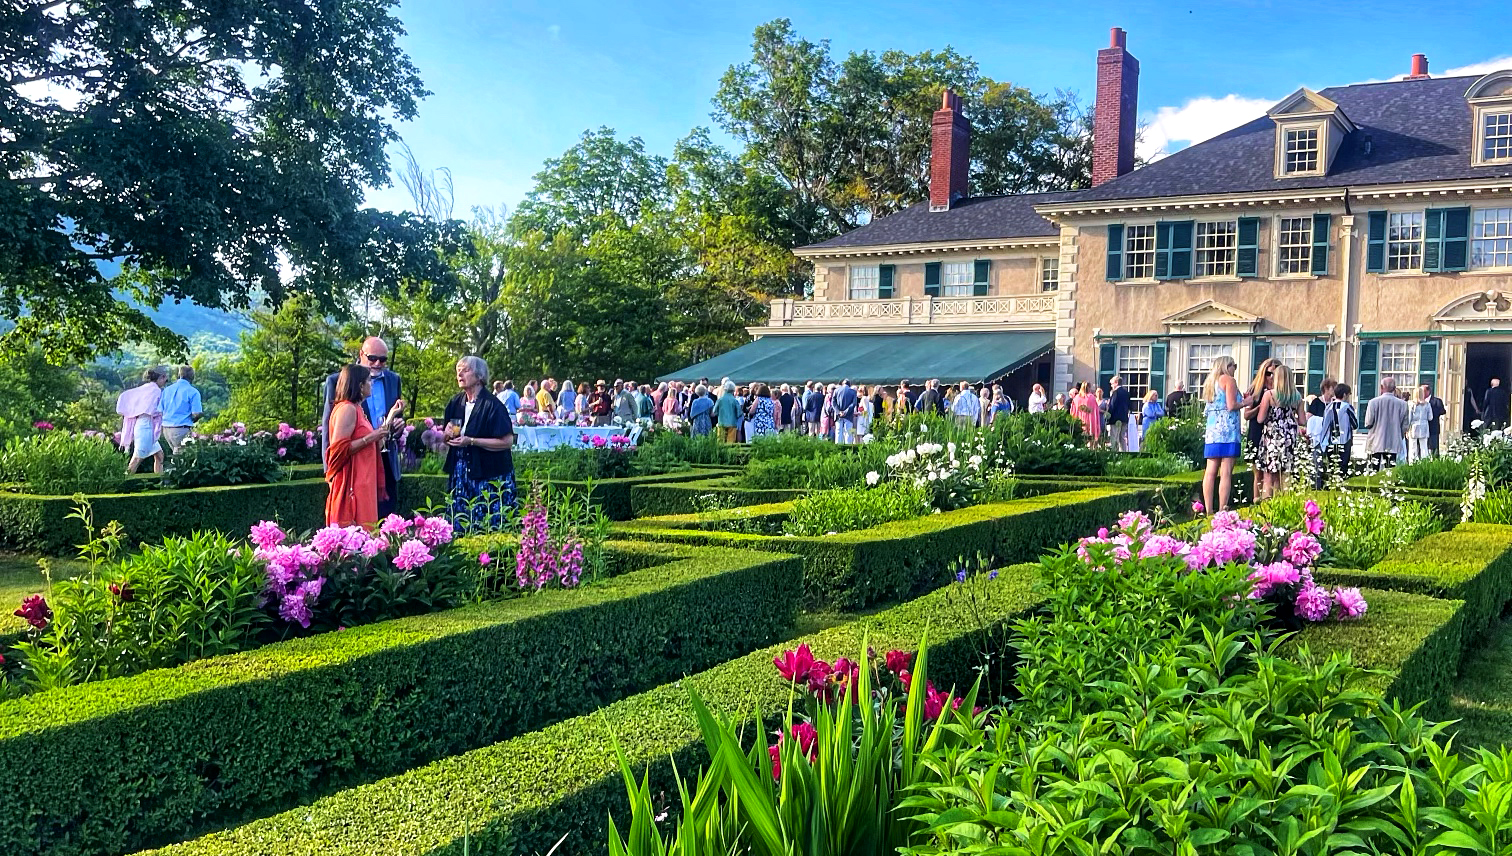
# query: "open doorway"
[[1484, 361]]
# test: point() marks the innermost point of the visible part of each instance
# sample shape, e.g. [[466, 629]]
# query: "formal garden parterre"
[[507, 693]]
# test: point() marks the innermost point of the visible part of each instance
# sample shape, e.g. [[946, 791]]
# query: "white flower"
[[951, 447], [873, 477], [975, 460], [241, 442], [934, 476], [1476, 423]]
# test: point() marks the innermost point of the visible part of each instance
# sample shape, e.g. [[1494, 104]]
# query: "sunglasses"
[[372, 358]]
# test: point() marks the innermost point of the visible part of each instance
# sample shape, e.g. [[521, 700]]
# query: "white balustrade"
[[1020, 309]]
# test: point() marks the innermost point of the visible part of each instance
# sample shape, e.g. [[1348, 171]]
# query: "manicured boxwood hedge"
[[614, 495], [1471, 562], [522, 795], [110, 767], [898, 560], [654, 500], [1415, 640]]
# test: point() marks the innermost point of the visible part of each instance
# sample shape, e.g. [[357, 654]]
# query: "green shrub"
[[651, 500], [776, 473], [56, 463], [698, 451], [1153, 467], [1438, 473], [1495, 507], [1361, 528], [1181, 434], [209, 464], [173, 751], [570, 463], [848, 509], [849, 469], [523, 794], [790, 444]]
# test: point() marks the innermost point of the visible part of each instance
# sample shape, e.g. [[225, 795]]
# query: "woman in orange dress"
[[352, 468]]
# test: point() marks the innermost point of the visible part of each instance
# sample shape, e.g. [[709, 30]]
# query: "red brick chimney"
[[950, 153], [1114, 113], [1419, 67]]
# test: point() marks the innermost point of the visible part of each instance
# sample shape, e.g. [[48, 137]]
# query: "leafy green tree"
[[279, 373], [600, 180], [33, 390], [195, 145]]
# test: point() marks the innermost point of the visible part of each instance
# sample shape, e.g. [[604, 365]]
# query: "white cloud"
[[1202, 118], [1477, 68]]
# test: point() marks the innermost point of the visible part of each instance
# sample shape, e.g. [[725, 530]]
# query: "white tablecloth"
[[536, 438]]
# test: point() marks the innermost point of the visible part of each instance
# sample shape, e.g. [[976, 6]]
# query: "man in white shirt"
[[967, 408]]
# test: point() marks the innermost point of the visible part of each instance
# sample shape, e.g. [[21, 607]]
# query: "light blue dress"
[[1221, 440]]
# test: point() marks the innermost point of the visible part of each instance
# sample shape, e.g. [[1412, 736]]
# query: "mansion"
[[1358, 232]]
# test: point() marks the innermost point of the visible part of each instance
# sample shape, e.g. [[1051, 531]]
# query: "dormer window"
[[1490, 100], [1309, 131], [1301, 151]]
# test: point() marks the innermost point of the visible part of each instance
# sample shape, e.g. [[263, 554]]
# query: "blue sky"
[[517, 82]]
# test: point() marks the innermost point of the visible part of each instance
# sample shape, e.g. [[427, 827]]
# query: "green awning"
[[874, 357]]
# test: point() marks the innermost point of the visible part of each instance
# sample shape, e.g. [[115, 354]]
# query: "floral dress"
[[1278, 441], [763, 417]]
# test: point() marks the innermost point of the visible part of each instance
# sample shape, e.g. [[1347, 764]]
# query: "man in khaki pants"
[[181, 409]]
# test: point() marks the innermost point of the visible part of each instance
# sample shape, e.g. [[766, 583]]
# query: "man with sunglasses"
[[384, 400]]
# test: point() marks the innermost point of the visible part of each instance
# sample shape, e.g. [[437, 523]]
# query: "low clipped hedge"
[[655, 500], [1471, 562], [898, 560], [614, 495], [110, 767], [562, 782], [1416, 642]]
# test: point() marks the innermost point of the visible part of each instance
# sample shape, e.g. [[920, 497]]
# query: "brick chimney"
[[1419, 67], [1114, 113], [950, 153]]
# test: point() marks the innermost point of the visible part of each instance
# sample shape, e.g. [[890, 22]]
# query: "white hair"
[[478, 367]]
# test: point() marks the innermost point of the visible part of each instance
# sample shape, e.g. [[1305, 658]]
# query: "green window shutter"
[[1115, 252], [1260, 351], [1375, 242], [1321, 224], [1456, 239], [1428, 358], [1247, 248], [885, 282], [1182, 235], [1107, 363], [1158, 366], [1163, 250], [1317, 365], [981, 276], [1433, 239], [1370, 357], [931, 279]]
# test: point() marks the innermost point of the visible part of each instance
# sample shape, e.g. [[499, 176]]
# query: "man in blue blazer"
[[384, 398]]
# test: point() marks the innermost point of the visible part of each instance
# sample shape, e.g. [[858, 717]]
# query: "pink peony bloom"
[[35, 611], [1302, 549], [1133, 522], [1314, 603], [433, 531], [267, 535], [485, 560], [395, 525], [373, 546], [1198, 507], [412, 555], [328, 541], [1310, 508], [1350, 602], [1315, 525]]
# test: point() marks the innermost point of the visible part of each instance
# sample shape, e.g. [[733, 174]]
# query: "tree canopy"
[[201, 146]]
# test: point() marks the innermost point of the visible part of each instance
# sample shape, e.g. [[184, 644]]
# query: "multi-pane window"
[[1399, 361], [1050, 274], [1301, 150], [1293, 355], [1139, 251], [1491, 230], [956, 279], [1215, 247], [1134, 369], [1200, 358], [1496, 136], [1404, 240], [1294, 243], [864, 281]]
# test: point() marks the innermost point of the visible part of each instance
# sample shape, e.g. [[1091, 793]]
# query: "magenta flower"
[[434, 531], [412, 555], [1351, 604], [1198, 507], [373, 546], [266, 535], [35, 611], [795, 664], [328, 541], [1314, 603], [898, 661], [395, 525], [485, 560]]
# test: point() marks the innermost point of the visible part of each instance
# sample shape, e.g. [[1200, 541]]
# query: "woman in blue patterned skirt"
[[481, 487]]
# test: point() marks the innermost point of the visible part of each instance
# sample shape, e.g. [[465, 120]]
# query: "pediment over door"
[[1210, 316], [1483, 310]]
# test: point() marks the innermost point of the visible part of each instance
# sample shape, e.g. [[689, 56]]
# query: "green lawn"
[[19, 577], [1482, 699]]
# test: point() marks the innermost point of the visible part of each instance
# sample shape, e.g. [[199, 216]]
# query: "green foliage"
[[280, 370], [790, 444], [1178, 434], [210, 464], [566, 463], [776, 473], [1437, 473], [369, 701], [699, 451], [1152, 467], [56, 463], [240, 168], [849, 469], [1361, 528], [1495, 507], [34, 390], [828, 512], [653, 500]]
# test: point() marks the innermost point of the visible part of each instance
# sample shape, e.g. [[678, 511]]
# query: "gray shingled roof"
[[1416, 130], [1407, 131], [974, 219]]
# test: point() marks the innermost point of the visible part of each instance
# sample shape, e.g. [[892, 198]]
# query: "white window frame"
[[1049, 270], [1301, 253], [1144, 269], [1413, 221], [1403, 366], [957, 279], [1503, 145], [1491, 236], [859, 276], [1133, 365], [1219, 258], [1296, 359], [1284, 148], [1203, 352]]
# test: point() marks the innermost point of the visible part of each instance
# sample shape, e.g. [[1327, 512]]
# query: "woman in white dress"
[[864, 412], [141, 411]]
